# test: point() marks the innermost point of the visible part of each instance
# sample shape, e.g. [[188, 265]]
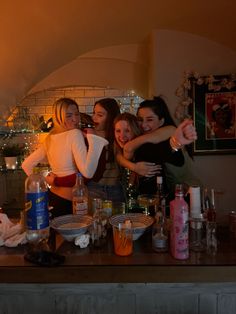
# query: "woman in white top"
[[66, 152]]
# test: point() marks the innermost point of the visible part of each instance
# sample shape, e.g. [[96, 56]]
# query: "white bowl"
[[139, 222], [71, 226]]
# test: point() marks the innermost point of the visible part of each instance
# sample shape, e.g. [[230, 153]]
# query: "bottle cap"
[[179, 191]]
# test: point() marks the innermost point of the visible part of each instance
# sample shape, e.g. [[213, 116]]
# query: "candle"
[[195, 202]]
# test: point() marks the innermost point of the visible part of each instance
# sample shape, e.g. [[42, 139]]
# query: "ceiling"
[[39, 36]]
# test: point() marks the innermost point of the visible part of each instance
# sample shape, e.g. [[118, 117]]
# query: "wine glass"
[[149, 202]]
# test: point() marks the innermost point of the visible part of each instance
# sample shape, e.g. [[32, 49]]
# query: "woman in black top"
[[152, 115]]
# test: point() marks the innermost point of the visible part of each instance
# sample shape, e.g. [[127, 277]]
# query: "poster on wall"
[[214, 113]]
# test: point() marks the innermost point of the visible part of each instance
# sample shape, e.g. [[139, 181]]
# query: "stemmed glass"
[[149, 202]]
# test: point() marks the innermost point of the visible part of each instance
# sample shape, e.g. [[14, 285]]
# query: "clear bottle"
[[36, 208], [160, 233], [179, 214], [209, 205], [99, 227], [80, 196], [161, 193]]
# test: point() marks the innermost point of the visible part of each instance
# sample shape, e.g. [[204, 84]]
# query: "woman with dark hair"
[[106, 182], [161, 144]]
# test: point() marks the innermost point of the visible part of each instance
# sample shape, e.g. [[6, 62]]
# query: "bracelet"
[[175, 144]]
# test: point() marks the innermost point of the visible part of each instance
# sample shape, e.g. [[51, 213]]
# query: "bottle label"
[[159, 242], [179, 229], [80, 207], [36, 208], [180, 237]]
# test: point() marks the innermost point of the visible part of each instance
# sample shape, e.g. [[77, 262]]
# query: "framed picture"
[[214, 112]]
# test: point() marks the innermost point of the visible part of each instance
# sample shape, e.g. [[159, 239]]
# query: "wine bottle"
[[179, 214]]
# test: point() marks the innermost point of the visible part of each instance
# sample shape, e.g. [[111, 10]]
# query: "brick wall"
[[40, 103]]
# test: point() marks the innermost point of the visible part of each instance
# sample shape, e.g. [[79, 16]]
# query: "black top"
[[158, 154]]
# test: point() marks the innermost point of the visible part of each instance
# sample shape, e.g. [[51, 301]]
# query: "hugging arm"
[[154, 137], [87, 161], [142, 168], [33, 159]]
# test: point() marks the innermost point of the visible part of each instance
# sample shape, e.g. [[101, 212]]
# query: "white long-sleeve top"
[[67, 153]]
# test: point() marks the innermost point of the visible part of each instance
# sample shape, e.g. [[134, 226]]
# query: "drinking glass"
[[197, 232], [123, 239], [149, 202]]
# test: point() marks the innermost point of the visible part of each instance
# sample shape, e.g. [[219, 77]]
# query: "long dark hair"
[[112, 108], [160, 108]]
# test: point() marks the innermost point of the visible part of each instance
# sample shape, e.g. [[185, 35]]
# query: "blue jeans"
[[106, 192]]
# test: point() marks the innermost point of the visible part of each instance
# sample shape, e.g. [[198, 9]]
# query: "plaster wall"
[[172, 53], [153, 68]]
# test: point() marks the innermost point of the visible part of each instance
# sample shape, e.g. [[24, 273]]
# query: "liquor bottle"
[[160, 192], [209, 205], [160, 229], [179, 238], [211, 225], [80, 196], [36, 208], [160, 232]]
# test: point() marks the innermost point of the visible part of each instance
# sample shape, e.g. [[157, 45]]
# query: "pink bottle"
[[179, 240]]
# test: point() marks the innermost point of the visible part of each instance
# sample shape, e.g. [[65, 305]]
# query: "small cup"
[[118, 208], [123, 239], [197, 232]]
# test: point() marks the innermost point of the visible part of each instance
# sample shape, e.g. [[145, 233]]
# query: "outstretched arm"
[[154, 137]]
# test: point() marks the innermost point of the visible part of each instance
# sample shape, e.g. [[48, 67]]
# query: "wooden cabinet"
[[12, 189]]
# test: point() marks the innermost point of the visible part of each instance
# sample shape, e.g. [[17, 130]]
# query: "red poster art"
[[220, 115]]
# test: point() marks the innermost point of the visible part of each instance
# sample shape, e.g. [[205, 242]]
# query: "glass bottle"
[[209, 205], [160, 231], [179, 214], [161, 193], [211, 225], [98, 229], [36, 208], [80, 196]]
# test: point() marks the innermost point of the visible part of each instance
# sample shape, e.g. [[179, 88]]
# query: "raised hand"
[[185, 132]]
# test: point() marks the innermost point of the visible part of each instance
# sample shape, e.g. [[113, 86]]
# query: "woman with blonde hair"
[[66, 152]]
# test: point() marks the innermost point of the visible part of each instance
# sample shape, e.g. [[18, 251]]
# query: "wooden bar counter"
[[97, 281], [93, 265]]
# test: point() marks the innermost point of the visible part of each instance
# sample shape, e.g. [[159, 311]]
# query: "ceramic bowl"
[[139, 222], [71, 226]]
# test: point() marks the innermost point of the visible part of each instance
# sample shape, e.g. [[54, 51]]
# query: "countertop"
[[93, 265]]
